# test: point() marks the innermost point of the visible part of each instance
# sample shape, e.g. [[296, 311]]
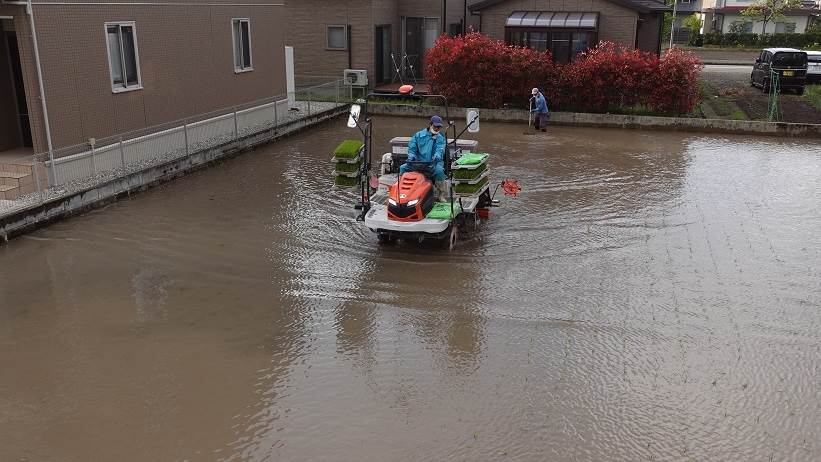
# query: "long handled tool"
[[530, 129]]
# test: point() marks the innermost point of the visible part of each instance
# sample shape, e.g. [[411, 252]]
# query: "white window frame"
[[344, 35], [785, 24], [234, 38], [120, 88]]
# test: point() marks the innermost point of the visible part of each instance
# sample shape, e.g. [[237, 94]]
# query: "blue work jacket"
[[540, 104], [423, 147]]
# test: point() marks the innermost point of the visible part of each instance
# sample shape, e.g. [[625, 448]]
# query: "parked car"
[[790, 65], [813, 66]]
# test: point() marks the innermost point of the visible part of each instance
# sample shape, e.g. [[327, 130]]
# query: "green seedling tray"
[[470, 189], [345, 167], [345, 160], [469, 174], [442, 211], [481, 177], [470, 160], [348, 149], [346, 181]]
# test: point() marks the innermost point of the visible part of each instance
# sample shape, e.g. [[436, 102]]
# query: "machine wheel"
[[454, 234], [765, 87], [384, 238], [752, 82]]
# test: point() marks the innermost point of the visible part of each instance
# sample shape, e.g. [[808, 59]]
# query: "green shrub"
[[348, 149], [813, 94], [743, 39]]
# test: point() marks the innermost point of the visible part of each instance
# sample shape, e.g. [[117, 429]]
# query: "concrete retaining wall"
[[40, 215], [722, 126]]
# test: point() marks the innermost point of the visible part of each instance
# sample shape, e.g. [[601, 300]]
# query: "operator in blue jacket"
[[539, 106], [428, 145]]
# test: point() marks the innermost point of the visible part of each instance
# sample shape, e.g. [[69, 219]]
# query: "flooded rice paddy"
[[648, 296]]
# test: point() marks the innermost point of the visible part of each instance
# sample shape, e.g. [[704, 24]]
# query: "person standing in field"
[[539, 108]]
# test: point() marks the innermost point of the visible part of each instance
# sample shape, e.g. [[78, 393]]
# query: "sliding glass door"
[[418, 36]]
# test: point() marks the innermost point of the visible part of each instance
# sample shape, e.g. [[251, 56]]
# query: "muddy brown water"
[[648, 296]]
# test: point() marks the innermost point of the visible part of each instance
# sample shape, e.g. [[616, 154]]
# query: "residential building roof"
[[642, 6]]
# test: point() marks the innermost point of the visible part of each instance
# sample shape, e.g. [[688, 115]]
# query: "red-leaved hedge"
[[474, 70]]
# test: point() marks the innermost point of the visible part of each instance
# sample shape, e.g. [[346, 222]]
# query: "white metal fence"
[[77, 167]]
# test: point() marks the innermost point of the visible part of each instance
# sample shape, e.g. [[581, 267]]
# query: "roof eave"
[[661, 8]]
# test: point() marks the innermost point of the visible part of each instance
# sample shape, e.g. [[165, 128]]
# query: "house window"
[[564, 45], [785, 28], [745, 27], [241, 28], [123, 57], [336, 38]]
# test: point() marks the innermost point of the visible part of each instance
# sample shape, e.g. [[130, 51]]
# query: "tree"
[[692, 22], [768, 10]]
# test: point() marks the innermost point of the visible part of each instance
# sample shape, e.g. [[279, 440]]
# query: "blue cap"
[[436, 121]]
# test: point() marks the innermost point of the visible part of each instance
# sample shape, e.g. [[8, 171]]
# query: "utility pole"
[[673, 24]]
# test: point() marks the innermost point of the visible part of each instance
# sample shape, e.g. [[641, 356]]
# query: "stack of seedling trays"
[[347, 162], [470, 174]]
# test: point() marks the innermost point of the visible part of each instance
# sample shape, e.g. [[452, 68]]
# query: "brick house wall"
[[616, 23], [185, 57], [307, 23], [308, 19], [647, 35]]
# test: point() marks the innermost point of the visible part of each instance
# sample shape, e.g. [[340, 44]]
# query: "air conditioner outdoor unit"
[[356, 77]]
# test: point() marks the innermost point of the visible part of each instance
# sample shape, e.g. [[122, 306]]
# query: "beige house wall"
[[616, 23], [307, 28], [185, 57], [308, 20]]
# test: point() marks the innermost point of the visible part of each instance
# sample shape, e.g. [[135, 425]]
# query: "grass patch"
[[345, 181], [348, 149], [465, 174], [469, 188], [812, 93], [738, 114], [725, 108]]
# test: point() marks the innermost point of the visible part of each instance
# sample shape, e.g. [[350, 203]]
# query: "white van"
[[813, 66]]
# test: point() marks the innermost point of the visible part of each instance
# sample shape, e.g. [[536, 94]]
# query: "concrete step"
[[15, 168], [12, 192], [16, 178], [4, 174], [9, 192]]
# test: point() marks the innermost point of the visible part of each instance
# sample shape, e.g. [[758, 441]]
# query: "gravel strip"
[[72, 187]]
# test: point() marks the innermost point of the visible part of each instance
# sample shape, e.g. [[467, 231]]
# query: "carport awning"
[[560, 19]]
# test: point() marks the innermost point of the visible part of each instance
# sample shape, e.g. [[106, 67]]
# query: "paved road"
[[727, 69], [722, 78]]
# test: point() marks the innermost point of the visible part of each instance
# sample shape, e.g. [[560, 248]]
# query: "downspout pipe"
[[444, 16], [30, 12], [465, 19]]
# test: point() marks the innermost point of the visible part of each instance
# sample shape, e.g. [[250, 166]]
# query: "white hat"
[[534, 91]]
